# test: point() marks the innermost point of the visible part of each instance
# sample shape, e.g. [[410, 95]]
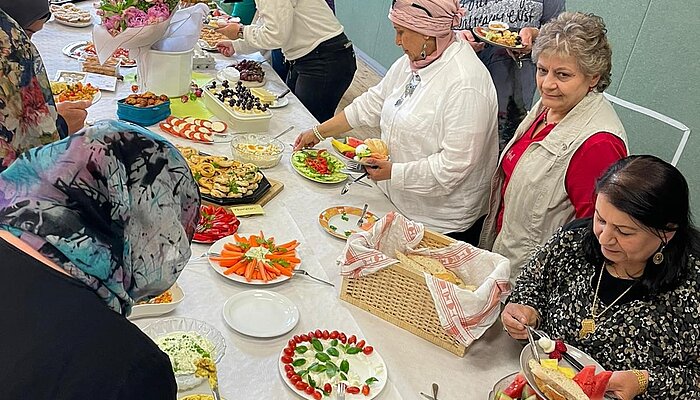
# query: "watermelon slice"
[[592, 384], [354, 142], [515, 389]]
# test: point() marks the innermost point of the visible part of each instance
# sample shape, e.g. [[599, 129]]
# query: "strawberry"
[[555, 355], [560, 346]]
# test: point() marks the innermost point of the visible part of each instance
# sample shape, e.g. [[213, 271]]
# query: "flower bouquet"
[[133, 25]]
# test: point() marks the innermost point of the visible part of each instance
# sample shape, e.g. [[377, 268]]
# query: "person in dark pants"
[[321, 57]]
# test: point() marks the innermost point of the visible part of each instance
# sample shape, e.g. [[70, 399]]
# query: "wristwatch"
[[240, 31]]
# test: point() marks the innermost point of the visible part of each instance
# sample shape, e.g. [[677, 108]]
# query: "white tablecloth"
[[249, 368]]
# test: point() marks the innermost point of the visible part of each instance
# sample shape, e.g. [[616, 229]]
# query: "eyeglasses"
[[393, 3], [408, 90]]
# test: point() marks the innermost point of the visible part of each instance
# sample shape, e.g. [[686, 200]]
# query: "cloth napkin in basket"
[[464, 314]]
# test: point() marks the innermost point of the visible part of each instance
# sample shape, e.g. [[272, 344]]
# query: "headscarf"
[[27, 109], [434, 18], [26, 12], [113, 205]]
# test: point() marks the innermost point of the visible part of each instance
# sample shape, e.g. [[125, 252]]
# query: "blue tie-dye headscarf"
[[114, 205]]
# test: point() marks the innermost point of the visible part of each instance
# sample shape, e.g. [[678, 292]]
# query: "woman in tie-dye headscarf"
[[89, 225]]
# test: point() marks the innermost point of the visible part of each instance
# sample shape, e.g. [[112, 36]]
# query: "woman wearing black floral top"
[[624, 286]]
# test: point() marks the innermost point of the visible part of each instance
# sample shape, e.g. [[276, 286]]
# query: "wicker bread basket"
[[400, 296]]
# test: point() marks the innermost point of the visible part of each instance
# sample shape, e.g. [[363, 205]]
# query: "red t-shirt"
[[589, 162]]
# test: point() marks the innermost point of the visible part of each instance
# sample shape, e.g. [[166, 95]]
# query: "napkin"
[[464, 314], [184, 29]]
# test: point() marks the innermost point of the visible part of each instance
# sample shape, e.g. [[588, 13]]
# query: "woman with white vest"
[[322, 60], [547, 172]]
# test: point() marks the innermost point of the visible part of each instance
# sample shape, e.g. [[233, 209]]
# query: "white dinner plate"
[[260, 313], [218, 246], [71, 50], [502, 384], [578, 355]]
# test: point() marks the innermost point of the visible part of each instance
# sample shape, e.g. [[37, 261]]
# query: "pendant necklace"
[[409, 89], [588, 325]]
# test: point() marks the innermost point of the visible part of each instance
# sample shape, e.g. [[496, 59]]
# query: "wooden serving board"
[[276, 188]]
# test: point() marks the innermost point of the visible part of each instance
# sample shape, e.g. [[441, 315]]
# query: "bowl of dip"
[[185, 340]]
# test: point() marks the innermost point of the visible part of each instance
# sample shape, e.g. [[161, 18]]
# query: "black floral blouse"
[[659, 333]]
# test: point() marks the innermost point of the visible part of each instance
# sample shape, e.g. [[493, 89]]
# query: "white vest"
[[537, 203]]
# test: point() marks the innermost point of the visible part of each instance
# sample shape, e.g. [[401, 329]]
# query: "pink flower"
[[158, 13], [113, 23], [135, 18]]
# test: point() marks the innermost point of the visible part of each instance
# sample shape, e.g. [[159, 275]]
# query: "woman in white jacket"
[[437, 111], [322, 60]]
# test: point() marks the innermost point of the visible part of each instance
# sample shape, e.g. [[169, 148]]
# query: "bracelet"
[[317, 133], [641, 380]]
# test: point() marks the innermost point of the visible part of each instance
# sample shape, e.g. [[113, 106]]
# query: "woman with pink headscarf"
[[437, 109]]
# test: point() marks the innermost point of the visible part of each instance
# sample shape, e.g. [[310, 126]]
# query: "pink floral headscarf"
[[433, 18]]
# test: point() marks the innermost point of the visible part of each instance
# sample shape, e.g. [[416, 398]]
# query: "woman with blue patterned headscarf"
[[90, 224]]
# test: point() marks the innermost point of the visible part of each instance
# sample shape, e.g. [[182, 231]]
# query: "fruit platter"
[[313, 365], [237, 98], [318, 166], [224, 181], [255, 260], [251, 71], [214, 223], [497, 33]]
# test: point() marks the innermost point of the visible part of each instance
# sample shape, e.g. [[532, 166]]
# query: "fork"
[[205, 255], [302, 272], [531, 339], [340, 390], [356, 180]]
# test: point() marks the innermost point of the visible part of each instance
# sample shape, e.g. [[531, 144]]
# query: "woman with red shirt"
[[547, 172]]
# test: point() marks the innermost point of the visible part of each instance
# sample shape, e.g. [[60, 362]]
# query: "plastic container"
[[169, 72], [238, 122], [144, 116], [263, 151]]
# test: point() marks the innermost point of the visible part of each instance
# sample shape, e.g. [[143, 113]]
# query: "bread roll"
[[432, 266], [554, 384]]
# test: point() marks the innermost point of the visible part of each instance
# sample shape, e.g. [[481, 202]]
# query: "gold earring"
[[659, 255]]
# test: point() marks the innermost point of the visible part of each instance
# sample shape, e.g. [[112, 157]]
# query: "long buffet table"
[[249, 368]]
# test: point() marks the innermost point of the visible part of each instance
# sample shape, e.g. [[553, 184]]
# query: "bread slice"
[[432, 266], [554, 384]]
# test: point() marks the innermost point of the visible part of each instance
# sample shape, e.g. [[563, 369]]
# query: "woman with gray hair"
[[547, 172]]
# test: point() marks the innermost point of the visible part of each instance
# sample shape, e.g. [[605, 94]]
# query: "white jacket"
[[443, 139], [295, 26]]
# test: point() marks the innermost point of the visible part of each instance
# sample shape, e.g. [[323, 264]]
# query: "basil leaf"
[[345, 366], [322, 357], [343, 376], [371, 380], [299, 362], [331, 370], [354, 350], [301, 349], [333, 351], [334, 342], [317, 344], [311, 380], [303, 373]]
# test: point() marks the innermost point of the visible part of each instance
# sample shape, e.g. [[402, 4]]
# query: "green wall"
[[656, 64]]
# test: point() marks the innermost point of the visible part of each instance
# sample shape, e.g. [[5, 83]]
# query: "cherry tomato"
[[309, 390], [318, 334], [353, 390], [327, 388], [334, 335], [311, 335], [288, 368], [326, 334], [301, 385], [343, 338], [297, 339], [360, 344], [290, 374], [288, 351], [305, 338], [294, 379], [292, 344], [352, 339], [286, 359], [317, 395], [368, 350], [365, 390]]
